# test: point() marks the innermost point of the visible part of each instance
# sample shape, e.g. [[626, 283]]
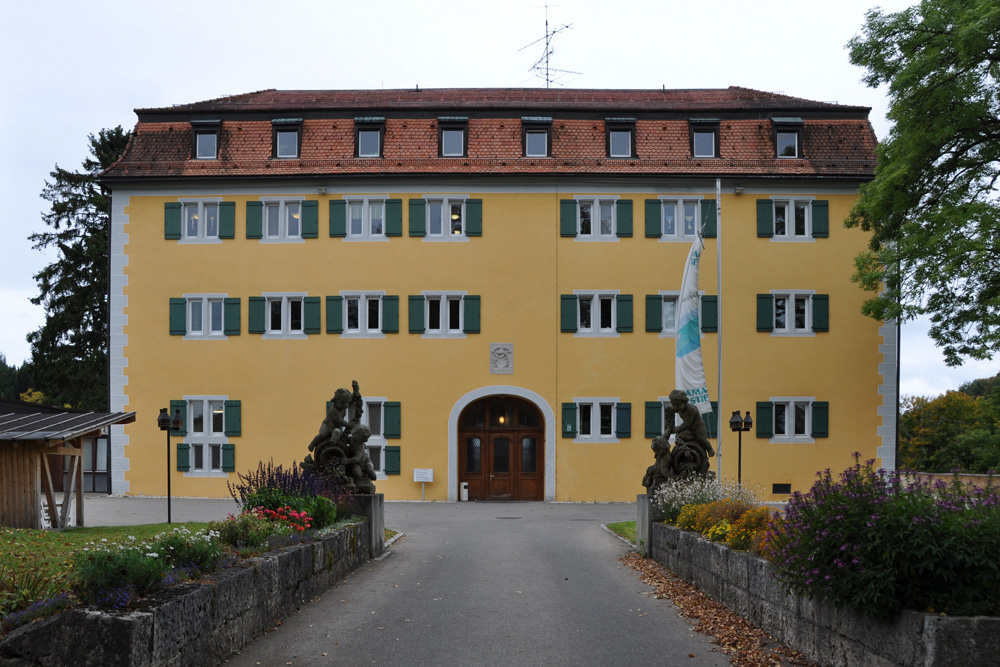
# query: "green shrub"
[[323, 512], [873, 544], [752, 523], [195, 553], [688, 516], [21, 585], [719, 532], [245, 530], [114, 577]]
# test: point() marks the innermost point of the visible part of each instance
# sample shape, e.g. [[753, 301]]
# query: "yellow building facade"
[[499, 271]]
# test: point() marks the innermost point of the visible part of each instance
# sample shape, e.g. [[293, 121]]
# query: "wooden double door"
[[502, 449]]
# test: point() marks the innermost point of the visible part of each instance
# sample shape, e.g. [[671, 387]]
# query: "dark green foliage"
[[114, 578], [14, 380], [932, 208], [877, 545], [273, 487], [193, 554], [70, 351], [243, 531]]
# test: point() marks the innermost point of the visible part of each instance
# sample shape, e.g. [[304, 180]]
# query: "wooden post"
[[47, 487]]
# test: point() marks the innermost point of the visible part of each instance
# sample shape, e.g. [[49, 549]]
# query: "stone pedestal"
[[647, 514], [372, 509]]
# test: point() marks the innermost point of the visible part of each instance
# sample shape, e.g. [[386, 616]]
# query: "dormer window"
[[787, 137], [368, 134], [452, 136], [205, 139], [287, 137], [620, 137], [536, 131], [704, 137]]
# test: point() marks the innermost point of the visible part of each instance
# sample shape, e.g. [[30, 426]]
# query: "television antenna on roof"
[[541, 68]]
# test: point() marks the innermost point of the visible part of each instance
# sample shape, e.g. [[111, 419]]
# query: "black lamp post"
[[167, 424], [740, 424]]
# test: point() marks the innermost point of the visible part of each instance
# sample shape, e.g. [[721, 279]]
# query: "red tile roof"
[[837, 140]]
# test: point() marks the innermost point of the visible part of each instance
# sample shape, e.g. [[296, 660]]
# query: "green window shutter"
[[255, 220], [821, 312], [471, 304], [711, 420], [765, 218], [654, 312], [709, 220], [654, 219], [392, 460], [393, 217], [172, 221], [232, 418], [625, 218], [473, 217], [231, 317], [310, 219], [569, 420], [821, 419], [416, 313], [312, 317], [178, 317], [654, 419], [568, 316], [765, 312], [338, 218], [710, 313], [765, 419], [257, 306], [390, 313], [335, 314], [228, 457], [392, 418], [567, 217], [418, 217], [181, 405], [227, 220], [183, 456], [623, 304], [623, 420], [821, 219]]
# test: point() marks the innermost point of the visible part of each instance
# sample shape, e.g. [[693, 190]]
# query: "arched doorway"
[[501, 449]]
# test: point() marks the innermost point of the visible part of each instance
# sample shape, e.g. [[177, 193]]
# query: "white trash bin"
[[463, 491]]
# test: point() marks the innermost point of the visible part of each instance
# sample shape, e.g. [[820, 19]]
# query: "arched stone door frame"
[[503, 390]]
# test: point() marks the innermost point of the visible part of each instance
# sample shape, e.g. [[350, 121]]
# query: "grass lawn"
[[624, 529]]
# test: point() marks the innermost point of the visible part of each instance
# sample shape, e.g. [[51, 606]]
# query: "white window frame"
[[798, 147], [445, 298], [595, 330], [678, 203], [595, 202], [277, 143], [674, 296], [536, 131], [377, 439], [788, 203], [215, 144], [285, 332], [714, 133], [200, 204], [363, 298], [788, 404], [463, 131], [445, 235], [283, 235], [611, 143], [377, 131], [205, 301], [790, 330], [594, 405], [206, 440], [365, 202]]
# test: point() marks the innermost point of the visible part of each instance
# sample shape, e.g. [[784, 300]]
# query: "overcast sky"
[[71, 68]]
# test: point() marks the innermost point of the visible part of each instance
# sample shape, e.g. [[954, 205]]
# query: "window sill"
[[285, 336], [597, 239], [365, 239], [599, 440], [205, 241], [267, 241], [362, 334], [677, 239], [793, 334], [432, 335], [596, 334], [206, 473], [206, 337], [454, 238], [799, 440], [793, 239]]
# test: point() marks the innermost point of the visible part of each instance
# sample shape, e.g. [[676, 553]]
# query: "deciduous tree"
[[70, 351], [933, 207]]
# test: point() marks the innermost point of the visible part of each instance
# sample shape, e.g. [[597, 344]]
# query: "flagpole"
[[718, 268]]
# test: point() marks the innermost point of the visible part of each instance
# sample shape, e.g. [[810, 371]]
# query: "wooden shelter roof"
[[57, 427]]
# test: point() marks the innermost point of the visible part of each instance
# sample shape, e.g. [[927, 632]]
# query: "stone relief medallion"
[[501, 358]]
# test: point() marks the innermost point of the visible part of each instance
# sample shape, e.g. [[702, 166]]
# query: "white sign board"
[[423, 474]]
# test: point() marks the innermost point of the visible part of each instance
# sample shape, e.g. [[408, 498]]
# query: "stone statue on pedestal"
[[339, 450], [691, 450]]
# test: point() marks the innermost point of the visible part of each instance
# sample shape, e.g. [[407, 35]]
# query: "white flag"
[[689, 375]]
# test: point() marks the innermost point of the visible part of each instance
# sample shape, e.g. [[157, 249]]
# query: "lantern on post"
[[166, 423], [739, 425]]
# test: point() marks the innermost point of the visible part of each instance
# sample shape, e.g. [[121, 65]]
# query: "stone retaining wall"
[[195, 624], [830, 636]]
